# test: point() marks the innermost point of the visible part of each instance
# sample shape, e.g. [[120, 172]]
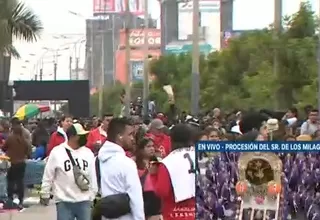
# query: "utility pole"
[[195, 80], [101, 76], [55, 71], [127, 59], [41, 74], [91, 56], [114, 49], [70, 67], [146, 62], [55, 79], [77, 68], [276, 32]]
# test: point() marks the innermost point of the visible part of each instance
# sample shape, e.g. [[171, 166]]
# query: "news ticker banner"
[[261, 146]]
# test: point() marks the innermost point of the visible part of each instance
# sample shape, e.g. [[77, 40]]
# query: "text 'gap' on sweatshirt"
[[119, 174], [58, 174]]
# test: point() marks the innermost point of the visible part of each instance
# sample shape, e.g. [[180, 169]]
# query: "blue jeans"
[[72, 211]]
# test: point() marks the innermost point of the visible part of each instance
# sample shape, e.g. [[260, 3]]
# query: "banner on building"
[[136, 7], [136, 71], [204, 6], [137, 37]]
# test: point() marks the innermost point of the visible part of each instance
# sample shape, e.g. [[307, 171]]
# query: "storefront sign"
[[137, 38]]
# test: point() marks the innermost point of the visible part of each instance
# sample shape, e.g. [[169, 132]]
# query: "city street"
[[34, 213]]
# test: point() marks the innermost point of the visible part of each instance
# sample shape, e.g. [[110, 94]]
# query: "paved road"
[[34, 213]]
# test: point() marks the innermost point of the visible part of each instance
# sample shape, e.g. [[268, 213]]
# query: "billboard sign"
[[137, 37], [136, 7], [209, 20], [187, 48], [136, 71], [204, 6]]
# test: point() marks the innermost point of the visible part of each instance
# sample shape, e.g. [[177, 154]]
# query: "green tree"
[[174, 70], [242, 75], [111, 100], [231, 71], [17, 21]]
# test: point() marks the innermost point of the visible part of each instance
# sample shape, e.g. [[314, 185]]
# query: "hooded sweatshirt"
[[119, 174], [58, 137], [58, 174]]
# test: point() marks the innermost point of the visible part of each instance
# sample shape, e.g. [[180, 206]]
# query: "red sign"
[[136, 7], [137, 37], [103, 6], [135, 55]]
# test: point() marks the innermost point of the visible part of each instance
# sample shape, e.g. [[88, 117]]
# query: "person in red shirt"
[[95, 122], [163, 180], [144, 155], [161, 141], [98, 136], [58, 137]]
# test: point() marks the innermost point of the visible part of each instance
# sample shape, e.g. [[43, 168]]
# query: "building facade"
[[169, 23], [137, 53], [102, 42]]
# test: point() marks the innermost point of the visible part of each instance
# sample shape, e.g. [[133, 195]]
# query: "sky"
[[62, 29], [253, 14]]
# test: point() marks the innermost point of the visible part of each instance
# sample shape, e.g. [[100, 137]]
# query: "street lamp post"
[[91, 45], [12, 95], [100, 104], [145, 63], [195, 85], [75, 47], [127, 59], [55, 58], [41, 74], [77, 51]]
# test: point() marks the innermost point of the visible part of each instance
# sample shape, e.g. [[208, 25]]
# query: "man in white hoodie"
[[71, 175], [119, 173]]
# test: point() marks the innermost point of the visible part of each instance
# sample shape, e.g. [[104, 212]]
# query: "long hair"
[[139, 153]]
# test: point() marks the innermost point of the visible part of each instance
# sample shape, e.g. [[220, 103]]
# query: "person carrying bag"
[[111, 207], [81, 180]]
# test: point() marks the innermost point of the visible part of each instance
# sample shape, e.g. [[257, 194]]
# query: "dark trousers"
[[15, 182]]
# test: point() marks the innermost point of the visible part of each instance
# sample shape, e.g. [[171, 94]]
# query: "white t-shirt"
[[181, 167]]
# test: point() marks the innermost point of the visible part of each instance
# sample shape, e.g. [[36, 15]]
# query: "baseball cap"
[[156, 124], [76, 129]]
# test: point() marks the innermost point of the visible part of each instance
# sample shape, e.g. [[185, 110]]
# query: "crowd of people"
[[118, 161], [129, 168]]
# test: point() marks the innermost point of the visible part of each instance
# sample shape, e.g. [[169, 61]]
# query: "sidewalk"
[[34, 213]]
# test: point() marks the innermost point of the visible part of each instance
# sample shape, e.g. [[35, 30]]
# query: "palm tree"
[[17, 21]]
